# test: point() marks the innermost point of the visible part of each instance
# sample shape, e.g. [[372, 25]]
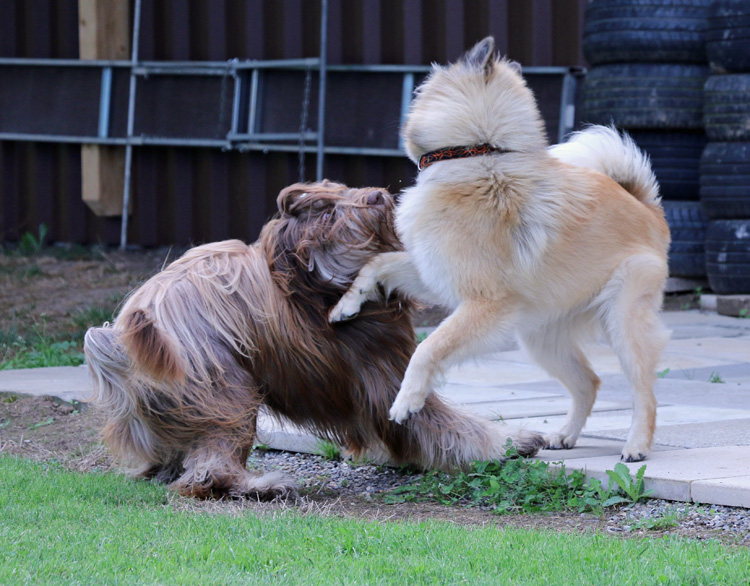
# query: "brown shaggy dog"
[[201, 345]]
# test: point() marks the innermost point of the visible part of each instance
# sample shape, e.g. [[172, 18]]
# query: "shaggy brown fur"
[[200, 346]]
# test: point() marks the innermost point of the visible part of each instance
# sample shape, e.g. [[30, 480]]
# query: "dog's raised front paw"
[[347, 308], [404, 405]]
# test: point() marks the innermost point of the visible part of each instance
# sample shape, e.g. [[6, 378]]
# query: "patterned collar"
[[457, 152]]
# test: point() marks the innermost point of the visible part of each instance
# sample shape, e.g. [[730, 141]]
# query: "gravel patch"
[[344, 479]]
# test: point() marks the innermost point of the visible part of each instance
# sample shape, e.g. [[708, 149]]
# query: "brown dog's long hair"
[[228, 327]]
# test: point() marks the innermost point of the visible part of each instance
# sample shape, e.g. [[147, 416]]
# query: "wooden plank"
[[103, 29], [102, 178]]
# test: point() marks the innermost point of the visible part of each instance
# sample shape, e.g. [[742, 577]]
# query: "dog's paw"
[[404, 405], [347, 308], [559, 441], [528, 443], [636, 455]]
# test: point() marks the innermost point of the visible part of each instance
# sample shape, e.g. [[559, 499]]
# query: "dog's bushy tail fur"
[[614, 154], [125, 433]]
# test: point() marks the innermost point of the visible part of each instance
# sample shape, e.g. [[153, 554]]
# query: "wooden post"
[[103, 27]]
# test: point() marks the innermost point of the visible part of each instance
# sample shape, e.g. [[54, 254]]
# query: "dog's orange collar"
[[457, 152]]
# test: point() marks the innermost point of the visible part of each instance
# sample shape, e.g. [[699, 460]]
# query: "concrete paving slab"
[[533, 407], [694, 435], [670, 474], [731, 492], [66, 382], [463, 393], [281, 434], [619, 420], [721, 349]]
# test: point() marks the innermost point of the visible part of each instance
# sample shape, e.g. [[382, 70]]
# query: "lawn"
[[62, 527]]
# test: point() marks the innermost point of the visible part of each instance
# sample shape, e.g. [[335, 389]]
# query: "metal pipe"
[[322, 88], [131, 124], [105, 102]]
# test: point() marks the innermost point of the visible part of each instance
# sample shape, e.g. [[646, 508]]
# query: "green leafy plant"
[[660, 523], [663, 373], [744, 313], [516, 485], [632, 489], [329, 450], [48, 421], [715, 378], [30, 244]]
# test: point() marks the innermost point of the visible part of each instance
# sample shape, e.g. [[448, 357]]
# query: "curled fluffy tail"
[[151, 350], [615, 154]]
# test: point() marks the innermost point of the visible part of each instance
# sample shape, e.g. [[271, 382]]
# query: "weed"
[[632, 490], [30, 244], [715, 378], [48, 421], [661, 523], [421, 337], [511, 486], [744, 313], [663, 373], [329, 450], [92, 316]]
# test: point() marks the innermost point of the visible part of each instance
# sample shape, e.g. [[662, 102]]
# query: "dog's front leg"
[[394, 271], [476, 327]]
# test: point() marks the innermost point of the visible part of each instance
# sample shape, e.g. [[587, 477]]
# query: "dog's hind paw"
[[528, 443]]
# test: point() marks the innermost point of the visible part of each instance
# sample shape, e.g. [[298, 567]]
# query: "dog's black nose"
[[375, 197]]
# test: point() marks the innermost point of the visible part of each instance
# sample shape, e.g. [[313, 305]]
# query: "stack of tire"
[[725, 165], [648, 69]]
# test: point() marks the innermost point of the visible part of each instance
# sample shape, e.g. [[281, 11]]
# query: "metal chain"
[[303, 124]]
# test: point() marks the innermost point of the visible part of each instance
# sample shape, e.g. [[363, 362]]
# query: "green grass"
[[60, 527], [35, 347]]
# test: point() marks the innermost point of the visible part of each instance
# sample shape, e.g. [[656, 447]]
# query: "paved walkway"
[[702, 441]]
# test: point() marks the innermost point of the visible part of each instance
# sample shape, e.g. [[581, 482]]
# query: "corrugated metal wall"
[[190, 195]]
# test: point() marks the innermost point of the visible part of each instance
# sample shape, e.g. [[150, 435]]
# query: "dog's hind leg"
[[442, 436], [215, 469], [557, 351], [630, 313]]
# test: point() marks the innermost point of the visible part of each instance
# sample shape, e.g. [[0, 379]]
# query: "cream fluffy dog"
[[555, 244]]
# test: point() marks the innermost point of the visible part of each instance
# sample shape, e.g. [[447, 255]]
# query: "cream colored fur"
[[552, 245]]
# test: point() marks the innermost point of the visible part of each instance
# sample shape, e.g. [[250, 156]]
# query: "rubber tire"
[[645, 95], [687, 226], [726, 112], [675, 156], [728, 256], [728, 36], [621, 31], [725, 180]]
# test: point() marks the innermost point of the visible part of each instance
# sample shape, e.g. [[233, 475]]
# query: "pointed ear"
[[289, 196], [481, 56]]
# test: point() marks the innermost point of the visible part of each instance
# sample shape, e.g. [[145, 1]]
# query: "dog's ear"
[[289, 196], [481, 56]]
